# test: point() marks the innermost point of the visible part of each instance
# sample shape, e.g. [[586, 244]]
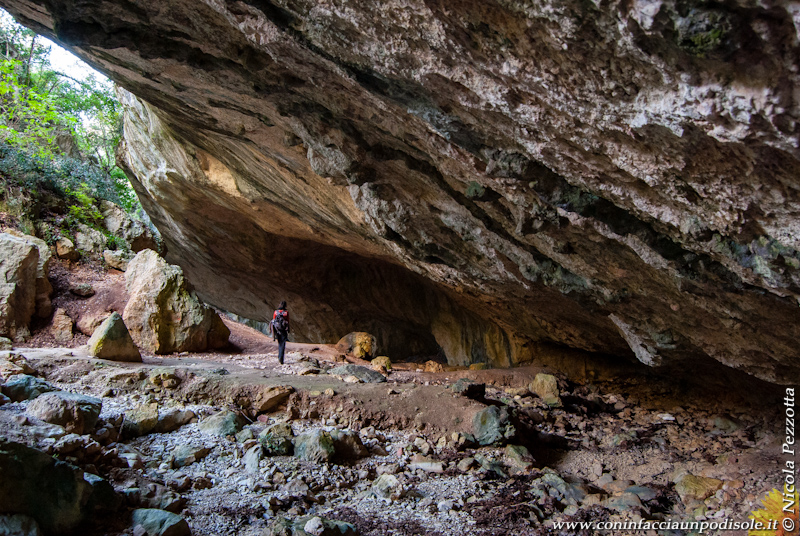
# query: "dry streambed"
[[303, 451]]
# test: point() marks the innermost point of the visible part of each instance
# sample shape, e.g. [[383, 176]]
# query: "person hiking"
[[280, 329]]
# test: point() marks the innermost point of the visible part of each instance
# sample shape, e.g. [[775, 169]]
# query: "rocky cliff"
[[488, 177]]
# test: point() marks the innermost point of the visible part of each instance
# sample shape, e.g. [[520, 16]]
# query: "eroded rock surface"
[[485, 178], [163, 315]]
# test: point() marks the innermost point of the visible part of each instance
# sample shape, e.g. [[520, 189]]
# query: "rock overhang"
[[481, 178]]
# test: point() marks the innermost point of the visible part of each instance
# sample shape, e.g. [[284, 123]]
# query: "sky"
[[60, 59], [65, 62]]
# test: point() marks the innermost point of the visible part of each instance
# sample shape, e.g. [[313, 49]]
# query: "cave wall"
[[618, 178]]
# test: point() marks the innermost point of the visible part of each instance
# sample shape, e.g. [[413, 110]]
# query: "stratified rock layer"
[[484, 177]]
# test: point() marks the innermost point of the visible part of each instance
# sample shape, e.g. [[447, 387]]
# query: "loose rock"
[[117, 259], [25, 387], [12, 364], [545, 386], [348, 445], [65, 249], [363, 374], [315, 446], [140, 421], [698, 488], [362, 345], [491, 426], [381, 362], [76, 413], [171, 419], [433, 366], [188, 454], [112, 341], [61, 326], [160, 523], [224, 423], [276, 440], [388, 487], [19, 525]]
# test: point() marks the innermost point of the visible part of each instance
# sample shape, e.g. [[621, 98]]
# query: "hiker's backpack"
[[280, 324]]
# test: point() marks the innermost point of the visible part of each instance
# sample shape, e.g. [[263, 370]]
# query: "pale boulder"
[[18, 268], [163, 314], [76, 413], [361, 344], [90, 321], [433, 366], [545, 386], [381, 363], [111, 340], [61, 326], [117, 259], [65, 249], [12, 363], [90, 240], [44, 308]]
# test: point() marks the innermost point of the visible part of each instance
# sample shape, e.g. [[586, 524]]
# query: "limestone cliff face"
[[487, 177]]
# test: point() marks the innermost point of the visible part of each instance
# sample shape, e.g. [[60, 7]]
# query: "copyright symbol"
[[788, 524]]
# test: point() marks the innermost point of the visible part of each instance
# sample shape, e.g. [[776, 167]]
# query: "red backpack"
[[280, 324]]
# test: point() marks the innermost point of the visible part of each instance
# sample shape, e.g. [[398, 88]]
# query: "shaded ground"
[[609, 435]]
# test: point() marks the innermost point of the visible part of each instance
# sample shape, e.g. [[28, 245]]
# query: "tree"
[[50, 115]]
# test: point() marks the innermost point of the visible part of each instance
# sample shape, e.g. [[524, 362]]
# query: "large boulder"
[[361, 344], [56, 494], [19, 260], [163, 314], [44, 289], [76, 413], [111, 340]]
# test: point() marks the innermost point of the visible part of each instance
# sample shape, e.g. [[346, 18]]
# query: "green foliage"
[[114, 242], [84, 209], [62, 132], [27, 117], [60, 175]]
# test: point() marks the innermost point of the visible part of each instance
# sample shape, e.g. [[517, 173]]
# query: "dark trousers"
[[281, 347]]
